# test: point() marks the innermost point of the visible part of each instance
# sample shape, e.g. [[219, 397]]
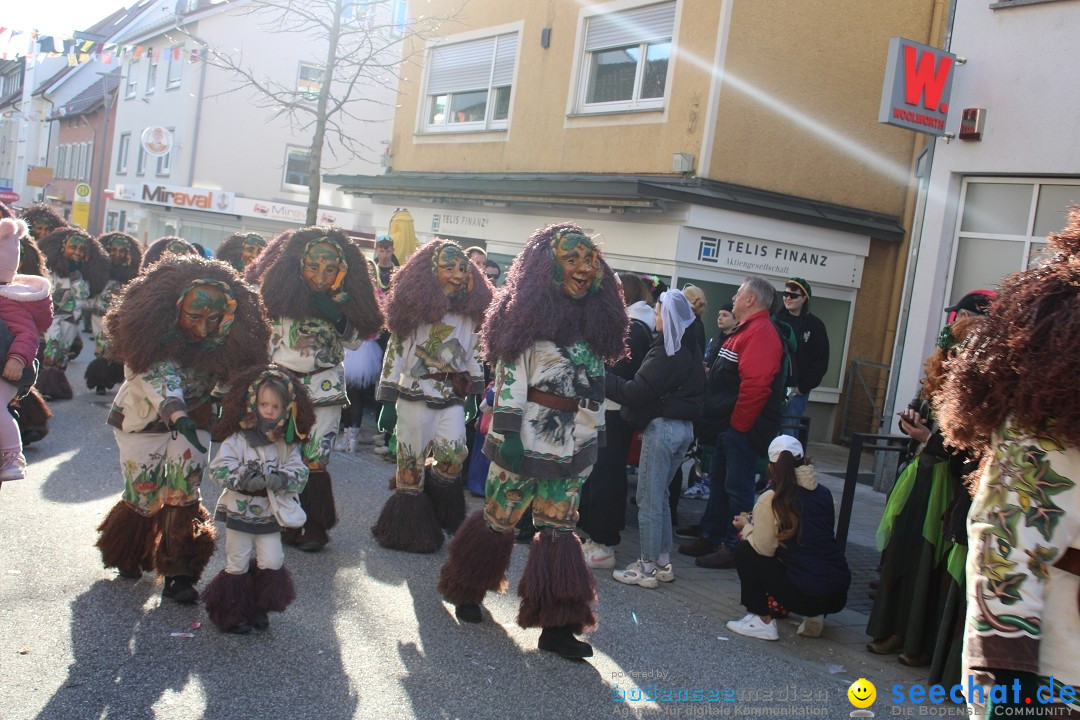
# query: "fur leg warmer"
[[187, 538], [317, 500], [127, 538], [53, 384], [557, 589], [447, 499], [407, 522], [274, 589], [476, 562], [33, 417], [230, 599], [101, 373]]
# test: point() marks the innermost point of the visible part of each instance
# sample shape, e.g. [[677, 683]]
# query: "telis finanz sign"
[[918, 85]]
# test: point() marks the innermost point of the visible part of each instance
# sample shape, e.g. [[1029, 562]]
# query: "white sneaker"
[[811, 627], [599, 557], [699, 491], [12, 466], [752, 626], [665, 573], [381, 450], [635, 574]]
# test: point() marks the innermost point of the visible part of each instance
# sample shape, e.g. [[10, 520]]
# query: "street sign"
[[9, 196], [82, 193]]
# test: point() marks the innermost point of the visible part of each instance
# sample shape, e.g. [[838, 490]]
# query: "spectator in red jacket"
[[743, 403], [25, 313]]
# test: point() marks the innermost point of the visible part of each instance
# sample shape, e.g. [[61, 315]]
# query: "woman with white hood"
[[664, 398], [603, 497]]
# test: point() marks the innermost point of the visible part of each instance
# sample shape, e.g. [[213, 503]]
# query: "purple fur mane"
[[416, 298], [531, 307]]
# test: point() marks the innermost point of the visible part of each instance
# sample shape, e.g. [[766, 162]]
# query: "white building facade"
[[990, 203]]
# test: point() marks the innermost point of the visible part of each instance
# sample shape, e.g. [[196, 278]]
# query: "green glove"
[[186, 427], [512, 452], [326, 306], [275, 482]]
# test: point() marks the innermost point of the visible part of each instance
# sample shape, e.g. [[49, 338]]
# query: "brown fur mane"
[[94, 270]]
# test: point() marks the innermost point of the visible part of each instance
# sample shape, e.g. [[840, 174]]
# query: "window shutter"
[[505, 54], [463, 66], [646, 24]]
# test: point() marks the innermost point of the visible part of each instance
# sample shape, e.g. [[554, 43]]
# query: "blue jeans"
[[731, 487], [663, 448], [795, 407]]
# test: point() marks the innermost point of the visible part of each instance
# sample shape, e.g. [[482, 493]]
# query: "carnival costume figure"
[[265, 416], [549, 332], [168, 245], [180, 328], [321, 303], [1012, 398], [432, 363], [125, 257], [241, 249], [31, 411], [79, 270], [42, 220]]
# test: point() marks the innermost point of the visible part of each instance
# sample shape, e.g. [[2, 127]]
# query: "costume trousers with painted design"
[[317, 497], [554, 501], [159, 523], [429, 437]]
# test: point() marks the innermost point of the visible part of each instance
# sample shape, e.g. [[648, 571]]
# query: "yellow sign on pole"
[[80, 207]]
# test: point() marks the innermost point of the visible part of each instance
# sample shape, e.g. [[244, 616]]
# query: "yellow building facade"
[[701, 140]]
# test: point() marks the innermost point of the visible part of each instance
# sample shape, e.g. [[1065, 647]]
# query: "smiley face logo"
[[862, 693]]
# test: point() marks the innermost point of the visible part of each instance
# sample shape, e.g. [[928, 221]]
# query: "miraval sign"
[[177, 196], [918, 84]]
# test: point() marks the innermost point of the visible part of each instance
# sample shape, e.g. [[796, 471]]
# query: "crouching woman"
[[790, 551]]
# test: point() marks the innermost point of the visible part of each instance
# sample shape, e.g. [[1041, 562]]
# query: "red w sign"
[[918, 83]]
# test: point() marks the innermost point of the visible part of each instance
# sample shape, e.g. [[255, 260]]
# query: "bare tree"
[[357, 44]]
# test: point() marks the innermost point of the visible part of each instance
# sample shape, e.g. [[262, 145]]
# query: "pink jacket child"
[[26, 309]]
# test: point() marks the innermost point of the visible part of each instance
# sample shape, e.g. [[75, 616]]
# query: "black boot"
[[469, 613], [180, 589], [561, 640]]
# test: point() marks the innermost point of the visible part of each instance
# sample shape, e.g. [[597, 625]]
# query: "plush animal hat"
[[11, 232], [291, 297], [142, 323], [94, 267], [239, 407], [531, 306], [415, 296]]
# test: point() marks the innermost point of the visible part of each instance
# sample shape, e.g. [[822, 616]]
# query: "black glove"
[[327, 307], [186, 427], [274, 482]]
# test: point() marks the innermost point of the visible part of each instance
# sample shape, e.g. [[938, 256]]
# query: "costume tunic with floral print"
[[98, 307], [314, 350], [252, 513], [1023, 612], [558, 443], [449, 346], [69, 298]]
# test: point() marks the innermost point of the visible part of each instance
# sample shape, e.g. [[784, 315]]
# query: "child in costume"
[[26, 313], [432, 363], [78, 271], [553, 325], [241, 249], [180, 328], [125, 256], [319, 298], [265, 416]]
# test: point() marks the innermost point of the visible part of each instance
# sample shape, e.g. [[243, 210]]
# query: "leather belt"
[[460, 382], [559, 402], [1070, 561]]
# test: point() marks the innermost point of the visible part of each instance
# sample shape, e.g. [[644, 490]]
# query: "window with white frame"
[[61, 158], [309, 81], [297, 166], [625, 61], [75, 169], [1002, 228], [164, 162], [140, 161], [175, 69], [132, 81], [123, 146], [151, 73], [469, 84], [88, 162]]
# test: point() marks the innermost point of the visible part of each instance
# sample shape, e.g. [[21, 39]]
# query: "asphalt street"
[[367, 637]]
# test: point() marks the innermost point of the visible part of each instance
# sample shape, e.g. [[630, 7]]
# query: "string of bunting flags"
[[82, 51]]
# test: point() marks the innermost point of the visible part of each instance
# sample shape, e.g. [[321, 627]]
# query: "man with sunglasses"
[[492, 271], [812, 352]]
